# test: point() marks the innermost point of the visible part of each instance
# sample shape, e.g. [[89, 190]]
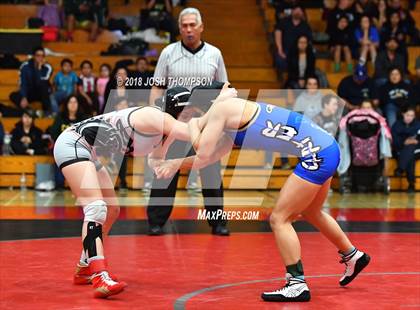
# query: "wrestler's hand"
[[227, 92], [167, 168], [154, 162]]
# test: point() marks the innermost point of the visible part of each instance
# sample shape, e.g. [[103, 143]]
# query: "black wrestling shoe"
[[355, 263], [220, 230], [295, 290], [155, 231]]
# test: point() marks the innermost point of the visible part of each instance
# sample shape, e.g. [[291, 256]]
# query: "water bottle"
[[23, 182], [7, 138]]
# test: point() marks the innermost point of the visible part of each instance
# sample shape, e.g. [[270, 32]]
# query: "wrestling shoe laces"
[[354, 263], [106, 278]]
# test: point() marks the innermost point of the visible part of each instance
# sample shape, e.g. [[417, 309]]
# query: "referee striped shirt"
[[180, 66]]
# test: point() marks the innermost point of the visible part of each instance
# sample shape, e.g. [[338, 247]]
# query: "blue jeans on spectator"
[[391, 111], [407, 162], [59, 178], [56, 99]]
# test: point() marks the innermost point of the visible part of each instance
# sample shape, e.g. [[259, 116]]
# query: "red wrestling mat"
[[207, 272]]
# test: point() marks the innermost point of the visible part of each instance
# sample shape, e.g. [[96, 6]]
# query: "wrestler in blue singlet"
[[277, 129]]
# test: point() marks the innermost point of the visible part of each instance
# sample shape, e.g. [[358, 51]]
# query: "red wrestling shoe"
[[103, 285], [83, 275]]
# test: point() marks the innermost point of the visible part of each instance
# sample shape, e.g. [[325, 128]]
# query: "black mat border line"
[[35, 229]]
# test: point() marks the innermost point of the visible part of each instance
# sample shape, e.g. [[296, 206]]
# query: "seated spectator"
[[101, 82], [309, 101], [381, 18], [341, 44], [142, 73], [1, 135], [368, 38], [407, 21], [87, 87], [64, 84], [301, 63], [50, 13], [343, 8], [26, 137], [117, 88], [387, 59], [34, 82], [328, 118], [81, 12], [71, 114], [158, 15], [286, 33], [393, 28], [395, 96], [406, 141], [356, 88], [100, 12]]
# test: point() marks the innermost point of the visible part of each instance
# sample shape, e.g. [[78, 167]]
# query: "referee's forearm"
[[155, 93]]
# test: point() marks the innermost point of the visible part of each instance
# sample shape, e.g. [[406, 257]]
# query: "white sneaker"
[[295, 290], [355, 262]]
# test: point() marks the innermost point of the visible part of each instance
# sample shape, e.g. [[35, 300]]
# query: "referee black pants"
[[163, 191]]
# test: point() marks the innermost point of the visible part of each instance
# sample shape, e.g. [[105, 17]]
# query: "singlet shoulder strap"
[[148, 135]]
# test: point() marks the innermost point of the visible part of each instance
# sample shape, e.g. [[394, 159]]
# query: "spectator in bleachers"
[[142, 73], [158, 15], [341, 44], [87, 87], [406, 20], [83, 13], [395, 95], [101, 82], [356, 88], [64, 84], [393, 28], [309, 101], [34, 82], [300, 63], [367, 37], [406, 140], [387, 59], [328, 118], [343, 8], [51, 13], [117, 88], [100, 12], [26, 137], [71, 114], [286, 33], [381, 18]]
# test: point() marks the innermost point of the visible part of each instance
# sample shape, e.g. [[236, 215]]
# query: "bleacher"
[[238, 28]]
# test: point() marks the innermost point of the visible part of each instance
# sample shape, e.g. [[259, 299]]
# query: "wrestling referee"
[[187, 63]]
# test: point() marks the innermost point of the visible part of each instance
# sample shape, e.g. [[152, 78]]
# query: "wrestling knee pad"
[[95, 212]]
